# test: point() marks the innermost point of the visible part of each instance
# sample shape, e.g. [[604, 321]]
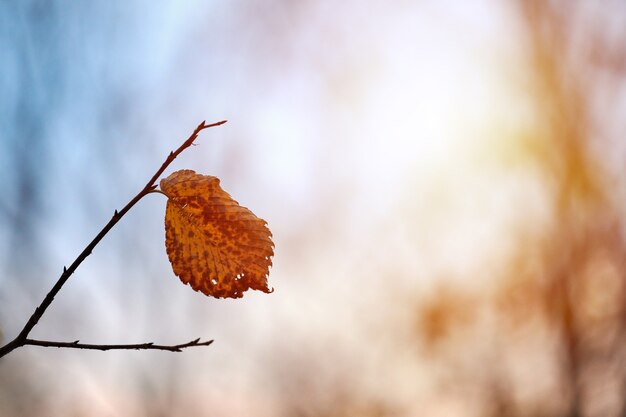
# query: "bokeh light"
[[444, 182]]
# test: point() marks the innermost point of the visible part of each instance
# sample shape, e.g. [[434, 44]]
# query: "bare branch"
[[174, 154], [21, 339], [139, 346]]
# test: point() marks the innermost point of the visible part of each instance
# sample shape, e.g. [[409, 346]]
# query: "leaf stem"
[[157, 191], [22, 337]]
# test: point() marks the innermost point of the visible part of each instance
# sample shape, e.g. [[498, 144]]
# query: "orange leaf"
[[214, 244]]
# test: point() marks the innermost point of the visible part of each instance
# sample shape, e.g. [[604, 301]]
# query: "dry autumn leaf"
[[214, 244]]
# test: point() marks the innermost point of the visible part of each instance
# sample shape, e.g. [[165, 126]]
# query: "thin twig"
[[139, 346], [22, 337]]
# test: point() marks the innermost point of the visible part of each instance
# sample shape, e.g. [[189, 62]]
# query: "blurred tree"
[[30, 93], [557, 316]]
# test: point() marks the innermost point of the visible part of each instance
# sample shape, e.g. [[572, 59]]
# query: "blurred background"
[[445, 182]]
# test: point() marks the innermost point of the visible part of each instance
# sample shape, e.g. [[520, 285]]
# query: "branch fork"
[[22, 338]]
